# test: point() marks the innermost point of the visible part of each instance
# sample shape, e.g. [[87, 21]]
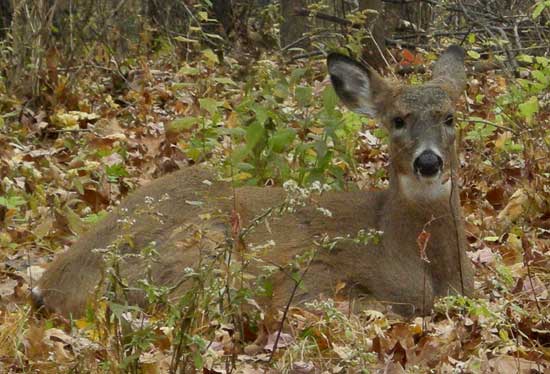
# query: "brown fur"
[[388, 274]]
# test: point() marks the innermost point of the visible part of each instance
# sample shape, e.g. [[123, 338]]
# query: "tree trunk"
[[223, 9], [5, 17], [374, 51], [293, 27]]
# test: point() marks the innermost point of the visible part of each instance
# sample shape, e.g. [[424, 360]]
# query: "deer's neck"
[[414, 203]]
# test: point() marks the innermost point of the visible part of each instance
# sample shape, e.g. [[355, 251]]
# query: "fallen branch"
[[326, 17]]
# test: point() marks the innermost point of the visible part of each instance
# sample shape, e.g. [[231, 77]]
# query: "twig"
[[468, 16], [285, 313], [457, 235], [489, 123], [326, 17], [60, 131], [527, 258], [391, 41], [307, 55], [312, 37]]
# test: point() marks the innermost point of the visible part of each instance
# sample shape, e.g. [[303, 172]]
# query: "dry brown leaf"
[[515, 207], [7, 288], [284, 341], [512, 365], [301, 367]]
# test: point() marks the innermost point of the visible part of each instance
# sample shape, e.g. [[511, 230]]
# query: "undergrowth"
[[262, 122]]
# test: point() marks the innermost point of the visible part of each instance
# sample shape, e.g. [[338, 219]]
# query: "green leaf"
[[296, 75], [474, 55], [225, 80], [180, 124], [210, 56], [197, 360], [75, 223], [329, 99], [544, 61], [254, 134], [538, 9], [188, 70], [303, 95], [210, 105], [261, 113], [282, 139], [529, 108], [245, 166], [203, 16], [183, 39], [214, 36], [181, 86], [95, 217], [503, 334], [239, 154], [525, 58], [266, 287], [116, 171], [539, 75], [119, 309], [12, 202], [505, 274], [281, 90], [236, 133]]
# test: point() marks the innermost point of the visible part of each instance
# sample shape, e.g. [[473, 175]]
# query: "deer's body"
[[422, 198]]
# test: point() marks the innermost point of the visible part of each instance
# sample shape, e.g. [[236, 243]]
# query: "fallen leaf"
[[7, 288], [422, 241], [516, 365], [515, 207], [284, 341], [301, 367]]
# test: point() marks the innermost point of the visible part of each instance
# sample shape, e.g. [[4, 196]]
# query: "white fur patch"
[[417, 188]]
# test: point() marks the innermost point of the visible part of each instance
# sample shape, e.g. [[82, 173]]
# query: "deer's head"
[[419, 119]]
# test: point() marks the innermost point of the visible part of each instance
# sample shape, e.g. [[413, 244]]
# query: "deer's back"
[[186, 216]]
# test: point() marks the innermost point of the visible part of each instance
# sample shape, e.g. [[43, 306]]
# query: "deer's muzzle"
[[428, 164]]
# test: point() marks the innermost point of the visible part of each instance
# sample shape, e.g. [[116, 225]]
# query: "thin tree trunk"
[[223, 9], [374, 51], [5, 17], [293, 27]]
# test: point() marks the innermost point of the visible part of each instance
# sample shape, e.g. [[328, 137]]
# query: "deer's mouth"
[[421, 188]]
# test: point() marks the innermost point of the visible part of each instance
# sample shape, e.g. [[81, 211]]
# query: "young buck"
[[421, 249]]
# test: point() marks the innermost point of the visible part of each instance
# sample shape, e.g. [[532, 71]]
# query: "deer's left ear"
[[449, 72], [361, 89]]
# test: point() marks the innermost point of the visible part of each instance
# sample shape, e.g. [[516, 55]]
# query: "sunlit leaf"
[[181, 124], [210, 105], [529, 108], [474, 54], [210, 56], [183, 39]]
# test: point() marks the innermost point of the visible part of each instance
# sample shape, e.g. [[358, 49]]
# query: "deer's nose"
[[428, 164]]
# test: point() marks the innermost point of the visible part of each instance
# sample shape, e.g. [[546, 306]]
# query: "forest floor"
[[93, 136]]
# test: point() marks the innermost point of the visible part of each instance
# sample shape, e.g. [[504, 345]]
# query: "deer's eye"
[[398, 122], [449, 120]]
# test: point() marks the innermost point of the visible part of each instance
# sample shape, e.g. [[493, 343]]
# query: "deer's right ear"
[[359, 87], [449, 71]]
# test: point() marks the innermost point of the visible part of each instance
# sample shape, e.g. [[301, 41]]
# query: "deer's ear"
[[361, 89], [449, 71]]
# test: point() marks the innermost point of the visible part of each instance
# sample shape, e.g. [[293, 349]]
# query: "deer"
[[421, 251]]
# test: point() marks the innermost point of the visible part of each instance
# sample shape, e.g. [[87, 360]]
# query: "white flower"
[[325, 211]]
